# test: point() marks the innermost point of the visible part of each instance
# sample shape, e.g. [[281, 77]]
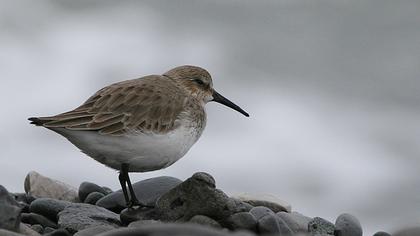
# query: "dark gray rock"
[[23, 197], [94, 230], [241, 220], [348, 225], [236, 205], [269, 201], [107, 190], [382, 233], [58, 232], [172, 230], [4, 232], [48, 207], [27, 230], [33, 218], [147, 192], [93, 197], [48, 230], [79, 216], [86, 188], [261, 211], [271, 223], [141, 223], [23, 200], [297, 222], [204, 220], [37, 228], [321, 226], [138, 213], [9, 211], [195, 196]]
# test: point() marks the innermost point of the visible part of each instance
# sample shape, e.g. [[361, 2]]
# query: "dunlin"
[[142, 124]]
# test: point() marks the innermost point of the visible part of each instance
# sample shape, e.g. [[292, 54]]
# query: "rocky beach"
[[172, 207]]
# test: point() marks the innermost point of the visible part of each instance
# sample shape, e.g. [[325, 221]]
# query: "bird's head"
[[198, 83]]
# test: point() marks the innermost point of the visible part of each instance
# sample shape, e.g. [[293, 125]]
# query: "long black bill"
[[220, 99]]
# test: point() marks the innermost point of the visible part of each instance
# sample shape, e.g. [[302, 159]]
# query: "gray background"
[[332, 88]]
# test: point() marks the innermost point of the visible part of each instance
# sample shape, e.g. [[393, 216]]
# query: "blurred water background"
[[332, 88]]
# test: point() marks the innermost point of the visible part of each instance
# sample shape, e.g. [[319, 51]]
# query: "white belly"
[[143, 152]]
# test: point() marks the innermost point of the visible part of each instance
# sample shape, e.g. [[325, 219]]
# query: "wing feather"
[[151, 104]]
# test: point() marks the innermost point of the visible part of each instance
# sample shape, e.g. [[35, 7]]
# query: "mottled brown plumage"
[[151, 104]]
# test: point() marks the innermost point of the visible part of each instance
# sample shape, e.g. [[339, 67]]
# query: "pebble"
[[195, 196], [236, 205], [297, 222], [271, 223], [38, 228], [93, 197], [95, 230], [147, 192], [348, 225], [43, 187], [27, 230], [261, 211], [138, 213], [141, 223], [204, 220], [5, 232], [86, 188], [79, 216], [242, 220], [173, 229], [267, 200], [48, 230], [33, 218], [58, 232], [48, 207], [321, 226], [9, 211]]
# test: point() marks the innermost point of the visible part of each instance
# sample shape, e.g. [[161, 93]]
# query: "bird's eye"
[[199, 81]]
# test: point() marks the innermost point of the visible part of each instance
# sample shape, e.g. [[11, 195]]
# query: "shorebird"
[[142, 124]]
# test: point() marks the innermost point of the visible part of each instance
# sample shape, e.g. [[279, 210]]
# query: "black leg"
[[123, 180], [134, 200]]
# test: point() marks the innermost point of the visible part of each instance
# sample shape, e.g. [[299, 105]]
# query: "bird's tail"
[[38, 121]]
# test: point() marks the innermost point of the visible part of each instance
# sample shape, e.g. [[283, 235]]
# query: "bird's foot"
[[135, 203]]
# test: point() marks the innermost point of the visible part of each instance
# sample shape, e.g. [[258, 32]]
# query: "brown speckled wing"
[[151, 104]]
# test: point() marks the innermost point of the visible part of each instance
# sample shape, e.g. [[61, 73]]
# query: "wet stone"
[[79, 216], [271, 223], [321, 226], [37, 228], [138, 213], [33, 218], [297, 222], [87, 188], [260, 211], [242, 220], [95, 230], [348, 225], [9, 211], [195, 196], [204, 220], [141, 223], [93, 197], [48, 207], [147, 192]]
